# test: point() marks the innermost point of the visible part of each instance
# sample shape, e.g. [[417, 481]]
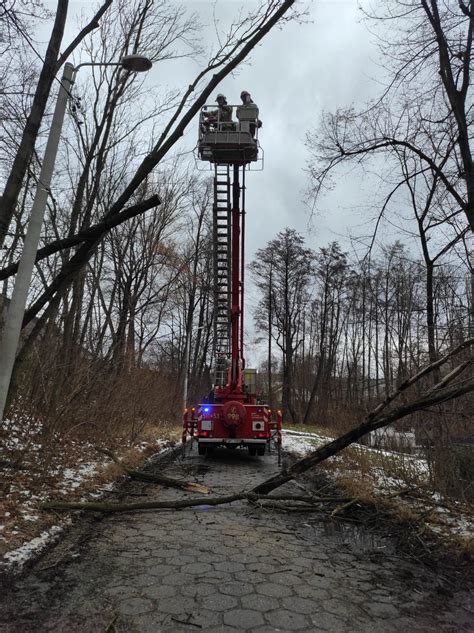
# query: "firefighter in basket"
[[221, 118], [248, 101]]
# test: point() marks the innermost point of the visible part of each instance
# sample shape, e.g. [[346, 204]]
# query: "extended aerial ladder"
[[230, 416], [222, 267], [228, 252]]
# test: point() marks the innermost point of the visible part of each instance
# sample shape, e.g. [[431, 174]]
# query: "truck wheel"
[[201, 449], [252, 451], [261, 450]]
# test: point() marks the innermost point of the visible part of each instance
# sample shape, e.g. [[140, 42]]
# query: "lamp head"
[[136, 63]]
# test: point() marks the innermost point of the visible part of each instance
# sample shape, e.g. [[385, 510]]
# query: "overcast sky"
[[296, 73]]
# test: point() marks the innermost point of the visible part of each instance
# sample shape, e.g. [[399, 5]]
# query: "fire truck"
[[230, 416]]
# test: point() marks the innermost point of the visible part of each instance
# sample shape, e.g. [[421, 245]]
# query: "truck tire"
[[252, 450], [261, 450], [201, 449]]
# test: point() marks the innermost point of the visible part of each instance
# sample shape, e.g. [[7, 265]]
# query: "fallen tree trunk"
[[337, 445], [103, 506]]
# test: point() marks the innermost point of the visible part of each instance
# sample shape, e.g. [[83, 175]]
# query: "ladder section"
[[222, 270]]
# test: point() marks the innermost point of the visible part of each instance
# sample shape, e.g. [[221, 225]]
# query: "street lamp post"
[[10, 335]]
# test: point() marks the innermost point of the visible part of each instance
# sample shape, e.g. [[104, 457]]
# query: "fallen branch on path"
[[178, 504], [190, 486], [104, 506], [345, 506]]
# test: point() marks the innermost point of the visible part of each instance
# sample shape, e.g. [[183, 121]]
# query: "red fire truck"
[[230, 416]]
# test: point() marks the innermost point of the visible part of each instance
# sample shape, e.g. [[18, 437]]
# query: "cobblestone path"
[[228, 569]]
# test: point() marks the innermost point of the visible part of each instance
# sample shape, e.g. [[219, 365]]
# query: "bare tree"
[[426, 109], [291, 265], [53, 61]]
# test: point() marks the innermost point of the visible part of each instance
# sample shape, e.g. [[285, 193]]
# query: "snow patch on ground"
[[301, 444], [18, 557]]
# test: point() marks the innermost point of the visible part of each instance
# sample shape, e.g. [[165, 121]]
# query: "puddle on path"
[[356, 538]]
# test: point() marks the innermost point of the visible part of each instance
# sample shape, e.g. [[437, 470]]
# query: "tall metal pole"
[[16, 309]]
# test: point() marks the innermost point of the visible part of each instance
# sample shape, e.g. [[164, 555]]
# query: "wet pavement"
[[228, 569]]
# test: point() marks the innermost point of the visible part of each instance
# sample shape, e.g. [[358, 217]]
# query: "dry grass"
[[395, 486]]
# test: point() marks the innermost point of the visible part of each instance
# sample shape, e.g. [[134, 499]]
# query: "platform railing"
[[218, 126]]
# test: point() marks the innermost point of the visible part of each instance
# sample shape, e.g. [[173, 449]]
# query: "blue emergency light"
[[206, 409]]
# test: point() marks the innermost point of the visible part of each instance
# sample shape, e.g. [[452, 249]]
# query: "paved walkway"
[[227, 569]]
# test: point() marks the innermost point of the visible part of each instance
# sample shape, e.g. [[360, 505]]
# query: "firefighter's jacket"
[[223, 112]]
